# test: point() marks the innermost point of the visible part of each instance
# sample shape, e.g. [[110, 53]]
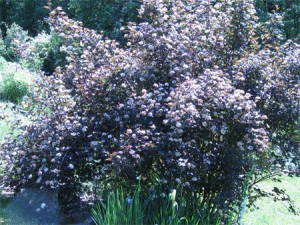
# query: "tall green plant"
[[12, 90], [157, 207], [119, 207], [178, 207]]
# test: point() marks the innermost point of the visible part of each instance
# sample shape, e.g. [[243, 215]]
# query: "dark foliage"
[[191, 101]]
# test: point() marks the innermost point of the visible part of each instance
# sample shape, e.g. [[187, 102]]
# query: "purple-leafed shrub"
[[193, 100]]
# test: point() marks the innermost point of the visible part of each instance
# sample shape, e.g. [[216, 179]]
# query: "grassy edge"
[[275, 213]]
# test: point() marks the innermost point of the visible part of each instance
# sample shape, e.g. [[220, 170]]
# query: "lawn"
[[276, 213], [21, 73]]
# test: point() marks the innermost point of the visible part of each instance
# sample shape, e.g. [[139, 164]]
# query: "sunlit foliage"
[[196, 99]]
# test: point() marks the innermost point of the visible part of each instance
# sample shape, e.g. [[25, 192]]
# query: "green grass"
[[11, 89], [21, 74], [276, 213], [15, 81]]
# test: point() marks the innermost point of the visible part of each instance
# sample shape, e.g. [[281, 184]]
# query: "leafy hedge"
[[193, 100]]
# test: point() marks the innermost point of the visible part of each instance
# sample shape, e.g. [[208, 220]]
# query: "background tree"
[[4, 6], [105, 15], [28, 14], [288, 9]]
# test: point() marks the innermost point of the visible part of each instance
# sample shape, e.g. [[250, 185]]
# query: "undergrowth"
[[12, 90]]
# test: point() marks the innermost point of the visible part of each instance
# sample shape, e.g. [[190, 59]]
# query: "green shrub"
[[44, 52], [11, 45], [54, 55], [2, 46], [2, 61], [30, 15], [12, 90]]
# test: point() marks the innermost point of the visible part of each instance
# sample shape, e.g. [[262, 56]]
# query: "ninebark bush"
[[197, 99]]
